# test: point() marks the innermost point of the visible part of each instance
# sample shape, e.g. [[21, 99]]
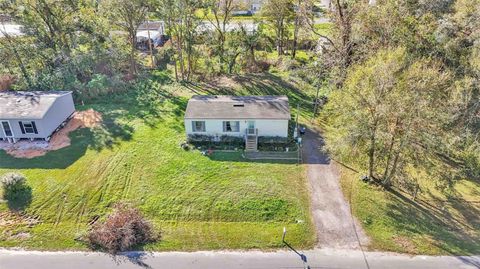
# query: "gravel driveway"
[[335, 226]]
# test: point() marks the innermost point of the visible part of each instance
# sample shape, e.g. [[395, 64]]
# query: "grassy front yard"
[[198, 202], [432, 224]]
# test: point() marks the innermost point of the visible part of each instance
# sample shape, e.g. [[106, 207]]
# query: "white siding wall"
[[265, 127], [58, 113], [61, 109]]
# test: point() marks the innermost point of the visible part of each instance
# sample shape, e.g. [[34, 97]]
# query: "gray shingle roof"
[[27, 105], [238, 107]]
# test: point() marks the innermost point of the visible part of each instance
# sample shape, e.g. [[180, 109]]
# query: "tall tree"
[[222, 14], [128, 15], [304, 17], [391, 110], [182, 25], [280, 14]]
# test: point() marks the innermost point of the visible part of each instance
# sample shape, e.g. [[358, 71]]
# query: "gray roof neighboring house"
[[27, 105], [238, 107]]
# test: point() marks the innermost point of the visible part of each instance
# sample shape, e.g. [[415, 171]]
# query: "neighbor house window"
[[6, 128], [28, 127], [231, 126], [198, 126]]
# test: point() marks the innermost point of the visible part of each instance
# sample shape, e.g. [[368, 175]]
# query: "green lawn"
[[196, 201], [432, 224]]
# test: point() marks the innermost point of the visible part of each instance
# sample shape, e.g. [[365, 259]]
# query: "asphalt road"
[[324, 259]]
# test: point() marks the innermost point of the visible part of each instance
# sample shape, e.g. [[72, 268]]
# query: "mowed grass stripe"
[[198, 202]]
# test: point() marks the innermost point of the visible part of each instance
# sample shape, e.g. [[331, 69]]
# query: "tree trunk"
[[133, 69], [371, 153], [252, 56], [232, 63], [180, 55], [280, 38], [175, 60], [390, 148], [387, 182], [295, 37]]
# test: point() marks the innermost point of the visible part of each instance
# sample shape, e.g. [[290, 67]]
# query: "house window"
[[231, 126], [6, 128], [198, 126], [28, 127]]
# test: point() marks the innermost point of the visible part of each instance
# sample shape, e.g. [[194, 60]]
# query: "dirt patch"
[[226, 82], [405, 244], [20, 236], [31, 149], [10, 219]]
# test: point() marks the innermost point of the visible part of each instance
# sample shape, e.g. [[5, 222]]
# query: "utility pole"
[[315, 108], [296, 119]]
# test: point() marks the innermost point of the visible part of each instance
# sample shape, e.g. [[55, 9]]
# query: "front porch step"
[[251, 144]]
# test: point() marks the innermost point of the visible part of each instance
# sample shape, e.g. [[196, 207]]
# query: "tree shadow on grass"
[[105, 136], [423, 218], [146, 103]]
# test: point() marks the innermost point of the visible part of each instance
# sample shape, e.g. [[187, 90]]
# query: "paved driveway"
[[336, 228]]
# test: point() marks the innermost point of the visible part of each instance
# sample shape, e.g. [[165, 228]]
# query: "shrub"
[[286, 64], [216, 142], [13, 182], [273, 139], [15, 190], [123, 229], [276, 143]]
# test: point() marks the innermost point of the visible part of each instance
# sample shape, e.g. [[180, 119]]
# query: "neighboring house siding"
[[17, 132], [2, 134], [60, 110], [214, 127], [58, 113]]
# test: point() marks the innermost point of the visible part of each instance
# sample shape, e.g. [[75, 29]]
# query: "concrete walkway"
[[325, 259], [336, 228]]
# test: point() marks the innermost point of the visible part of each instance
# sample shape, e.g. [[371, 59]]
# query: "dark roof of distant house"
[[27, 105], [238, 107]]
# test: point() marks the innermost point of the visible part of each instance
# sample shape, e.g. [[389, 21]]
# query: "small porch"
[[251, 139]]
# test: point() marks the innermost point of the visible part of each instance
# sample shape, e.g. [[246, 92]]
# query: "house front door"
[[251, 127]]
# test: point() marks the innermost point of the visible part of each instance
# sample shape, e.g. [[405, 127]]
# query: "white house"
[[33, 115], [241, 116]]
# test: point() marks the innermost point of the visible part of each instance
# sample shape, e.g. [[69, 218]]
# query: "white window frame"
[[231, 123], [25, 127], [194, 126], [3, 128]]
